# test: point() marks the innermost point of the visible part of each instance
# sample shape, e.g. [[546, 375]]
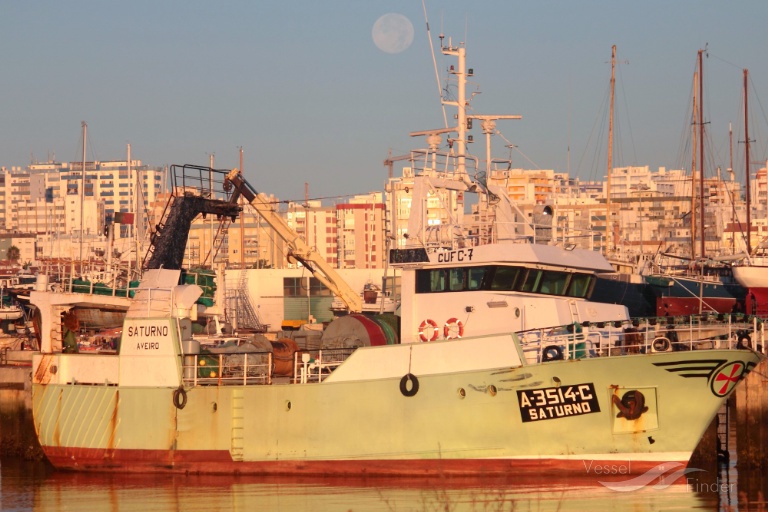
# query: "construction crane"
[[298, 250]]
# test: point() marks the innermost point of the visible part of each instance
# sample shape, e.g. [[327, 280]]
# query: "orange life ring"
[[428, 324], [453, 329]]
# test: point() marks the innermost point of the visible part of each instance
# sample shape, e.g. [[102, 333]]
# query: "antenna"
[[434, 61]]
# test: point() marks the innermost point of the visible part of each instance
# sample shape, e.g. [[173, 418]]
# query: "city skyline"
[[311, 98]]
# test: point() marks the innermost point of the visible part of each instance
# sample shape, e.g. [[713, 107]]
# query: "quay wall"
[[17, 433], [752, 418]]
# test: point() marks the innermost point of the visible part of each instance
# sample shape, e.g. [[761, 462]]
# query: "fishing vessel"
[[502, 364]]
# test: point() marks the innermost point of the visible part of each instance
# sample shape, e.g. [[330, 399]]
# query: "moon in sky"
[[392, 33]]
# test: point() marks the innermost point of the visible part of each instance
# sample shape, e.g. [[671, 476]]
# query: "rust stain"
[[56, 426], [113, 423], [43, 373]]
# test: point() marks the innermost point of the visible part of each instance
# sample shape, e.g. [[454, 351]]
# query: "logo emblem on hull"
[[726, 377]]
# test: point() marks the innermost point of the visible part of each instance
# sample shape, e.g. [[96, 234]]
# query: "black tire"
[[745, 342], [551, 353], [409, 377], [661, 344], [179, 397]]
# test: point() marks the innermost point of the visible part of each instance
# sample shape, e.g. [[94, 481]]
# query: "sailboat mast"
[[608, 219], [693, 164], [730, 177], [82, 194], [746, 164], [135, 227], [242, 220], [701, 150]]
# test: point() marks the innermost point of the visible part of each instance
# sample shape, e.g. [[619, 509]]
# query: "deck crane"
[[298, 250]]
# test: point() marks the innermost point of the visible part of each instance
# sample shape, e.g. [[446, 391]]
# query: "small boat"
[[9, 308], [11, 312], [374, 300], [753, 275], [699, 287]]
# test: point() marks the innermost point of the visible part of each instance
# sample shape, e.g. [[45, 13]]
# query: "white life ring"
[[453, 329], [426, 325]]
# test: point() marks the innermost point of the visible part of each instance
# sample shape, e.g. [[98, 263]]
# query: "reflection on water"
[[34, 486]]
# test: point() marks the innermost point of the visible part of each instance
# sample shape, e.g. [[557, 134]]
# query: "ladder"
[[574, 311], [221, 237], [154, 233], [723, 454], [238, 419], [239, 302]]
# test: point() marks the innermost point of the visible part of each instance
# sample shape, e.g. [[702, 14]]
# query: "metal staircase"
[[238, 305], [155, 233]]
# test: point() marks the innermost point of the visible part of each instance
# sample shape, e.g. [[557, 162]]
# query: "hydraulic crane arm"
[[298, 249]]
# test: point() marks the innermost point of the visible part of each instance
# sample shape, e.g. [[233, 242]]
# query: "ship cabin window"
[[530, 283], [580, 284], [553, 282], [456, 279], [475, 277], [504, 278]]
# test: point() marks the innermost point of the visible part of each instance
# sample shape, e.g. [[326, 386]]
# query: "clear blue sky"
[[302, 88]]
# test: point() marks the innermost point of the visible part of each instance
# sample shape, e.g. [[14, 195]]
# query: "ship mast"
[[701, 150], [608, 219], [82, 195], [461, 105], [746, 165], [694, 124]]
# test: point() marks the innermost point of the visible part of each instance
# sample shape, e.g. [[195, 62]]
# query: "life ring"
[[428, 324], [661, 344], [551, 353], [179, 397], [409, 377], [745, 342], [453, 329]]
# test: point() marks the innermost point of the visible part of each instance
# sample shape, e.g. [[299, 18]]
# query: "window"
[[430, 281], [476, 275], [294, 287], [504, 278], [531, 280], [553, 282], [318, 289], [456, 280], [579, 285]]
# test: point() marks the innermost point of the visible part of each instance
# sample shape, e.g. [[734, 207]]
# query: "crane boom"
[[298, 250]]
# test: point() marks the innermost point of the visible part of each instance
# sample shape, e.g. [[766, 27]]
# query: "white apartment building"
[[52, 202]]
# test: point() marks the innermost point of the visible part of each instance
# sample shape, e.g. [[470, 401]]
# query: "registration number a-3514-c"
[[557, 402]]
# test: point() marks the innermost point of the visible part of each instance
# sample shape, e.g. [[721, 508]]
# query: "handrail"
[[258, 368], [611, 339]]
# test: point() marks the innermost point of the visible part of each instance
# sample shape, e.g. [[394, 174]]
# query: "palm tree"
[[14, 253]]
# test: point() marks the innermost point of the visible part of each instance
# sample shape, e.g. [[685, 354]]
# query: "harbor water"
[[35, 486]]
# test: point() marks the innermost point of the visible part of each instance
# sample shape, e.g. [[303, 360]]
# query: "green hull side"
[[469, 415]]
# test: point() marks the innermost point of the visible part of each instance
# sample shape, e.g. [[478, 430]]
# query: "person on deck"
[[69, 326]]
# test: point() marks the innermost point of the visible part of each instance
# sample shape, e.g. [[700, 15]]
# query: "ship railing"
[[623, 338], [227, 369], [260, 368], [316, 365]]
